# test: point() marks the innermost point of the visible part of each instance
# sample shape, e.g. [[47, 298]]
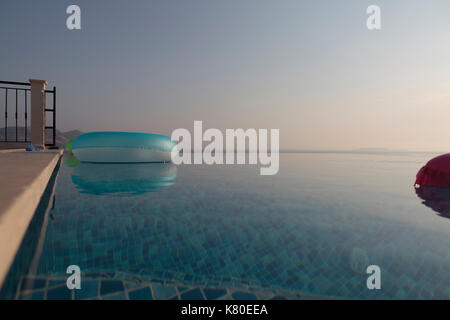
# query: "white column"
[[38, 112]]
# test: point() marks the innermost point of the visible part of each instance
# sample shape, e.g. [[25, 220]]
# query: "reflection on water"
[[438, 199], [123, 178], [70, 160]]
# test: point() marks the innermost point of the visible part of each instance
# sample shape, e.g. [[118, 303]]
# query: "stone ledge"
[[23, 179]]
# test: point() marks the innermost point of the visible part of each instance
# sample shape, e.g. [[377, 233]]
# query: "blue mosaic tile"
[[110, 286], [158, 281], [241, 295], [39, 295], [141, 294], [117, 296], [163, 291], [278, 298], [182, 289], [194, 294], [32, 284], [89, 289], [55, 283], [212, 294], [59, 293], [133, 285]]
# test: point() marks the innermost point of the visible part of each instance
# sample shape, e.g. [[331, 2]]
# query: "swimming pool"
[[196, 231]]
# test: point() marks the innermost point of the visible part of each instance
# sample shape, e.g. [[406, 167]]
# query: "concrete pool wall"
[[23, 179]]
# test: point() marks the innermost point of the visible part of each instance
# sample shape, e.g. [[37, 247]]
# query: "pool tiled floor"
[[38, 288]]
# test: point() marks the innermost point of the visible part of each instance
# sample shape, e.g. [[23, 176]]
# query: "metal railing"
[[51, 110], [20, 91], [15, 87]]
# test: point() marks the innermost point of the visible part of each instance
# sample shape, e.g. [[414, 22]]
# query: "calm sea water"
[[312, 228]]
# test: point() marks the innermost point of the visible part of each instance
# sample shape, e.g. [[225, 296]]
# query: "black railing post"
[[53, 111], [16, 116], [54, 116], [6, 114], [26, 114]]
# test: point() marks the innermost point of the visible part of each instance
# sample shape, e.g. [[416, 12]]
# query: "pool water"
[[311, 229]]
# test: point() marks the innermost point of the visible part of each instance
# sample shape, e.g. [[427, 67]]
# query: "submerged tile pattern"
[[155, 289], [311, 229]]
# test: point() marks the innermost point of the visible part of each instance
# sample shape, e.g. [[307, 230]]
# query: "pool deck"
[[23, 179]]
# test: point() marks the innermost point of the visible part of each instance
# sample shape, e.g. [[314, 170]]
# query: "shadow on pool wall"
[[123, 179]]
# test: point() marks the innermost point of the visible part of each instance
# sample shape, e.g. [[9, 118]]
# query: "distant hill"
[[61, 137], [72, 134]]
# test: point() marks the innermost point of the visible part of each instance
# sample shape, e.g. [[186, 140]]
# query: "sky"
[[311, 69]]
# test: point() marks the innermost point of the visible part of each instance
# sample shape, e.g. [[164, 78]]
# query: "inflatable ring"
[[122, 147]]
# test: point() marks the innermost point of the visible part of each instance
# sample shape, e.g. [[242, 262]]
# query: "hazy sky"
[[309, 68]]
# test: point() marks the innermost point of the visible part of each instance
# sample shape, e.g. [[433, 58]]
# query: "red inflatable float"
[[436, 173]]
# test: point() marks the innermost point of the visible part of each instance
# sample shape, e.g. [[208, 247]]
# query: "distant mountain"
[[378, 150], [72, 134], [61, 137]]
